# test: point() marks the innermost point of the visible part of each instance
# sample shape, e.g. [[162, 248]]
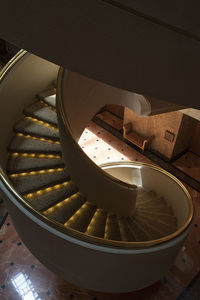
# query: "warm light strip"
[[28, 136], [47, 105], [41, 122], [60, 204], [47, 190], [38, 172], [122, 230], [76, 215], [93, 221], [35, 155], [53, 89], [106, 228]]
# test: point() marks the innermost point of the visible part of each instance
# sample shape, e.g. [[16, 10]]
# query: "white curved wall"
[[85, 97]]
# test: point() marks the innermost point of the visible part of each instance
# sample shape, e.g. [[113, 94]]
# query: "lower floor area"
[[23, 277]]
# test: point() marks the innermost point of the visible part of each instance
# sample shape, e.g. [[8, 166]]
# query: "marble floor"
[[23, 277], [3, 211]]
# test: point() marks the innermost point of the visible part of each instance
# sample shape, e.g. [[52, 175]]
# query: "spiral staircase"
[[116, 227], [38, 173]]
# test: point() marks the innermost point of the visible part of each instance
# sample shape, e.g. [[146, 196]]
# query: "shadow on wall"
[[7, 51]]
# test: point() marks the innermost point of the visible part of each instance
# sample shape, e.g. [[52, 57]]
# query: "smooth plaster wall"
[[157, 125]]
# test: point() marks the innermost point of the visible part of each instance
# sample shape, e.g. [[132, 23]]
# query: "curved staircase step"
[[158, 224], [112, 231], [65, 209], [45, 198], [48, 97], [42, 112], [169, 220], [24, 143], [97, 224], [82, 217], [125, 232], [23, 162], [138, 232], [28, 182], [35, 127], [152, 232]]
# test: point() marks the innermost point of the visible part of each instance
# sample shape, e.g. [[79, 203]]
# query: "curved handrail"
[[9, 189]]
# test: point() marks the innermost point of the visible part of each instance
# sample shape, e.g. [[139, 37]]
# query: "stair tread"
[[28, 183], [45, 200], [154, 216], [80, 220], [20, 143], [152, 232], [42, 112], [112, 231], [137, 231], [20, 164], [97, 224], [125, 232], [149, 198], [50, 100], [157, 209], [34, 128], [160, 225], [157, 215], [63, 211]]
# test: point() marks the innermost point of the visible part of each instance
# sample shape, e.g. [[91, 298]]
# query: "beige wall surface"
[[116, 110], [156, 125]]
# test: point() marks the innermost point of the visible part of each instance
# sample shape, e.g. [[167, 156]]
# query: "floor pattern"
[[23, 277], [186, 168], [102, 147]]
